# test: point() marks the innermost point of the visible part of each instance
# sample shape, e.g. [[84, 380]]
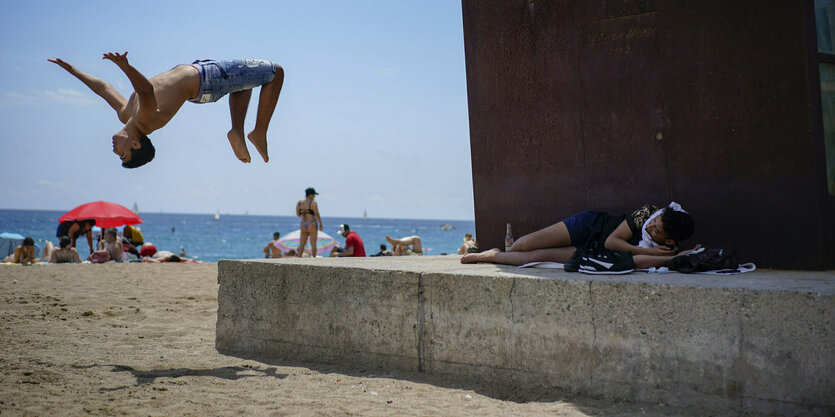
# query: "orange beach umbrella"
[[105, 213]]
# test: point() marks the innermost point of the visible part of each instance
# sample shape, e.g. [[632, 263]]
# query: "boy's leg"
[[554, 236], [266, 105], [561, 255], [238, 104]]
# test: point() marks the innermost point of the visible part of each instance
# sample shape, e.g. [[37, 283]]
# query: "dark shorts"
[[585, 227], [219, 78]]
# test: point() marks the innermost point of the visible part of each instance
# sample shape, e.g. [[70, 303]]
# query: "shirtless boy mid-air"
[[154, 102]]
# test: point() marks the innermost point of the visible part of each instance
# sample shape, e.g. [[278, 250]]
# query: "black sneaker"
[[573, 264], [606, 262]]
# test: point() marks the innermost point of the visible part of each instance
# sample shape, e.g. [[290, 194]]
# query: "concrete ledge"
[[760, 342]]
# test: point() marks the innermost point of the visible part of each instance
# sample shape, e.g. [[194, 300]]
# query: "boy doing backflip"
[[154, 102]]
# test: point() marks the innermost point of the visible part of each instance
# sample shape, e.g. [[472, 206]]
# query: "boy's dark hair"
[[276, 235], [383, 247], [64, 242], [111, 231], [174, 258], [678, 225], [28, 241], [141, 156]]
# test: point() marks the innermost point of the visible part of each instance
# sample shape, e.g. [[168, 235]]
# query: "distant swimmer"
[[154, 102]]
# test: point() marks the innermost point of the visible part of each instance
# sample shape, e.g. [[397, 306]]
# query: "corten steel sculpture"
[[610, 105]]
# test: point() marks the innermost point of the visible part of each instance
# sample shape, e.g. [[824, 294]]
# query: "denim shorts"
[[219, 78]]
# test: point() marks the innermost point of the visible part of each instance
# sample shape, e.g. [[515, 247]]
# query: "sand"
[[138, 339]]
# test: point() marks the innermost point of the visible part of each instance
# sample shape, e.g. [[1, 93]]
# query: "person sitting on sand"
[[64, 253], [401, 247], [271, 250], [469, 243], [383, 251], [353, 244], [113, 245], [154, 102], [649, 233], [23, 254]]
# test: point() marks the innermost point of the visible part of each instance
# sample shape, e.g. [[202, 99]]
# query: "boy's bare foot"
[[391, 241], [236, 139], [485, 256], [259, 139]]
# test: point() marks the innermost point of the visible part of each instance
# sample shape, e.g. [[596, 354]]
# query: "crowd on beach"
[[127, 246]]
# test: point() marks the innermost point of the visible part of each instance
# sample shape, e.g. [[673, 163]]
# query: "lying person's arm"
[[649, 261], [618, 241]]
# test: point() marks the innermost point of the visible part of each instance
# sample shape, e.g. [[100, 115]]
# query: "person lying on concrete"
[[409, 245], [154, 102], [650, 234], [272, 251], [353, 244]]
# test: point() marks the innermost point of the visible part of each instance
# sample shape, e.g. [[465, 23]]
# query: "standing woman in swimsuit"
[[308, 212]]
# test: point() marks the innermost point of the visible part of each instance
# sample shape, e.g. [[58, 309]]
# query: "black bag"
[[707, 259]]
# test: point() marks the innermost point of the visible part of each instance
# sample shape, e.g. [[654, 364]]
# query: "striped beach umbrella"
[[290, 241]]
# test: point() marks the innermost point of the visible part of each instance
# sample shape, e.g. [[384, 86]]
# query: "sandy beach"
[[138, 339]]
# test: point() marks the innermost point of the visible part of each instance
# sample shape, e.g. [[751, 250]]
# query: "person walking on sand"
[[308, 212], [154, 102]]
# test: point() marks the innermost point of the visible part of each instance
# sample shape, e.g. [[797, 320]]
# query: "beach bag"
[[100, 256], [706, 259]]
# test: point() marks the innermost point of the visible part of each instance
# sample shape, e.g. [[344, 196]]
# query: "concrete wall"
[[612, 104], [759, 342]]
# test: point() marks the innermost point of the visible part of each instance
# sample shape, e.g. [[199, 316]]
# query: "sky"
[[373, 112]]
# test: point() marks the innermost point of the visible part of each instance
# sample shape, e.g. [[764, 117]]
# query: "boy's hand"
[[117, 58], [61, 63]]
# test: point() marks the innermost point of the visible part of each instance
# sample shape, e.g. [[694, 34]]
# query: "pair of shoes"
[[606, 262]]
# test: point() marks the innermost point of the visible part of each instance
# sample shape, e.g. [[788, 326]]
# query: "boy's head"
[[64, 242], [676, 225], [276, 235], [133, 147], [28, 241], [141, 155], [110, 235]]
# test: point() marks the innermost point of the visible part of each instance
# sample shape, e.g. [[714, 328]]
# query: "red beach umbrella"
[[105, 213]]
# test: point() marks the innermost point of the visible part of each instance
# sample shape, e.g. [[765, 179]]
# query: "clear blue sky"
[[373, 112]]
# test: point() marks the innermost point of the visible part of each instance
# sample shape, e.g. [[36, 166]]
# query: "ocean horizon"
[[243, 236]]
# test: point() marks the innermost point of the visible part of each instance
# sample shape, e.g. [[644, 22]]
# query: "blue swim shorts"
[[585, 226], [219, 78]]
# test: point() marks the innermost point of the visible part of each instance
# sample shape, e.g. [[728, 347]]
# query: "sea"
[[206, 239]]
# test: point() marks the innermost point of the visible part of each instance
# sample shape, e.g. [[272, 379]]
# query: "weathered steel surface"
[[610, 105]]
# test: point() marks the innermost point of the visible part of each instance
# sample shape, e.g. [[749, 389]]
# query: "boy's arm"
[[143, 88], [99, 86]]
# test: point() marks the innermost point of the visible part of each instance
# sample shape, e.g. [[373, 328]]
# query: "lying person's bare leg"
[[554, 236], [413, 241], [238, 104], [266, 105], [517, 258]]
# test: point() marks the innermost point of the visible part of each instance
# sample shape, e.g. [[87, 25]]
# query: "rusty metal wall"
[[609, 105]]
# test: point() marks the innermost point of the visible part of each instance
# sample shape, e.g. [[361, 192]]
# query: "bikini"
[[303, 212]]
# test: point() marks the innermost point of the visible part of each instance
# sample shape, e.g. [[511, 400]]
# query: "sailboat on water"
[[135, 208], [365, 214], [217, 215]]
